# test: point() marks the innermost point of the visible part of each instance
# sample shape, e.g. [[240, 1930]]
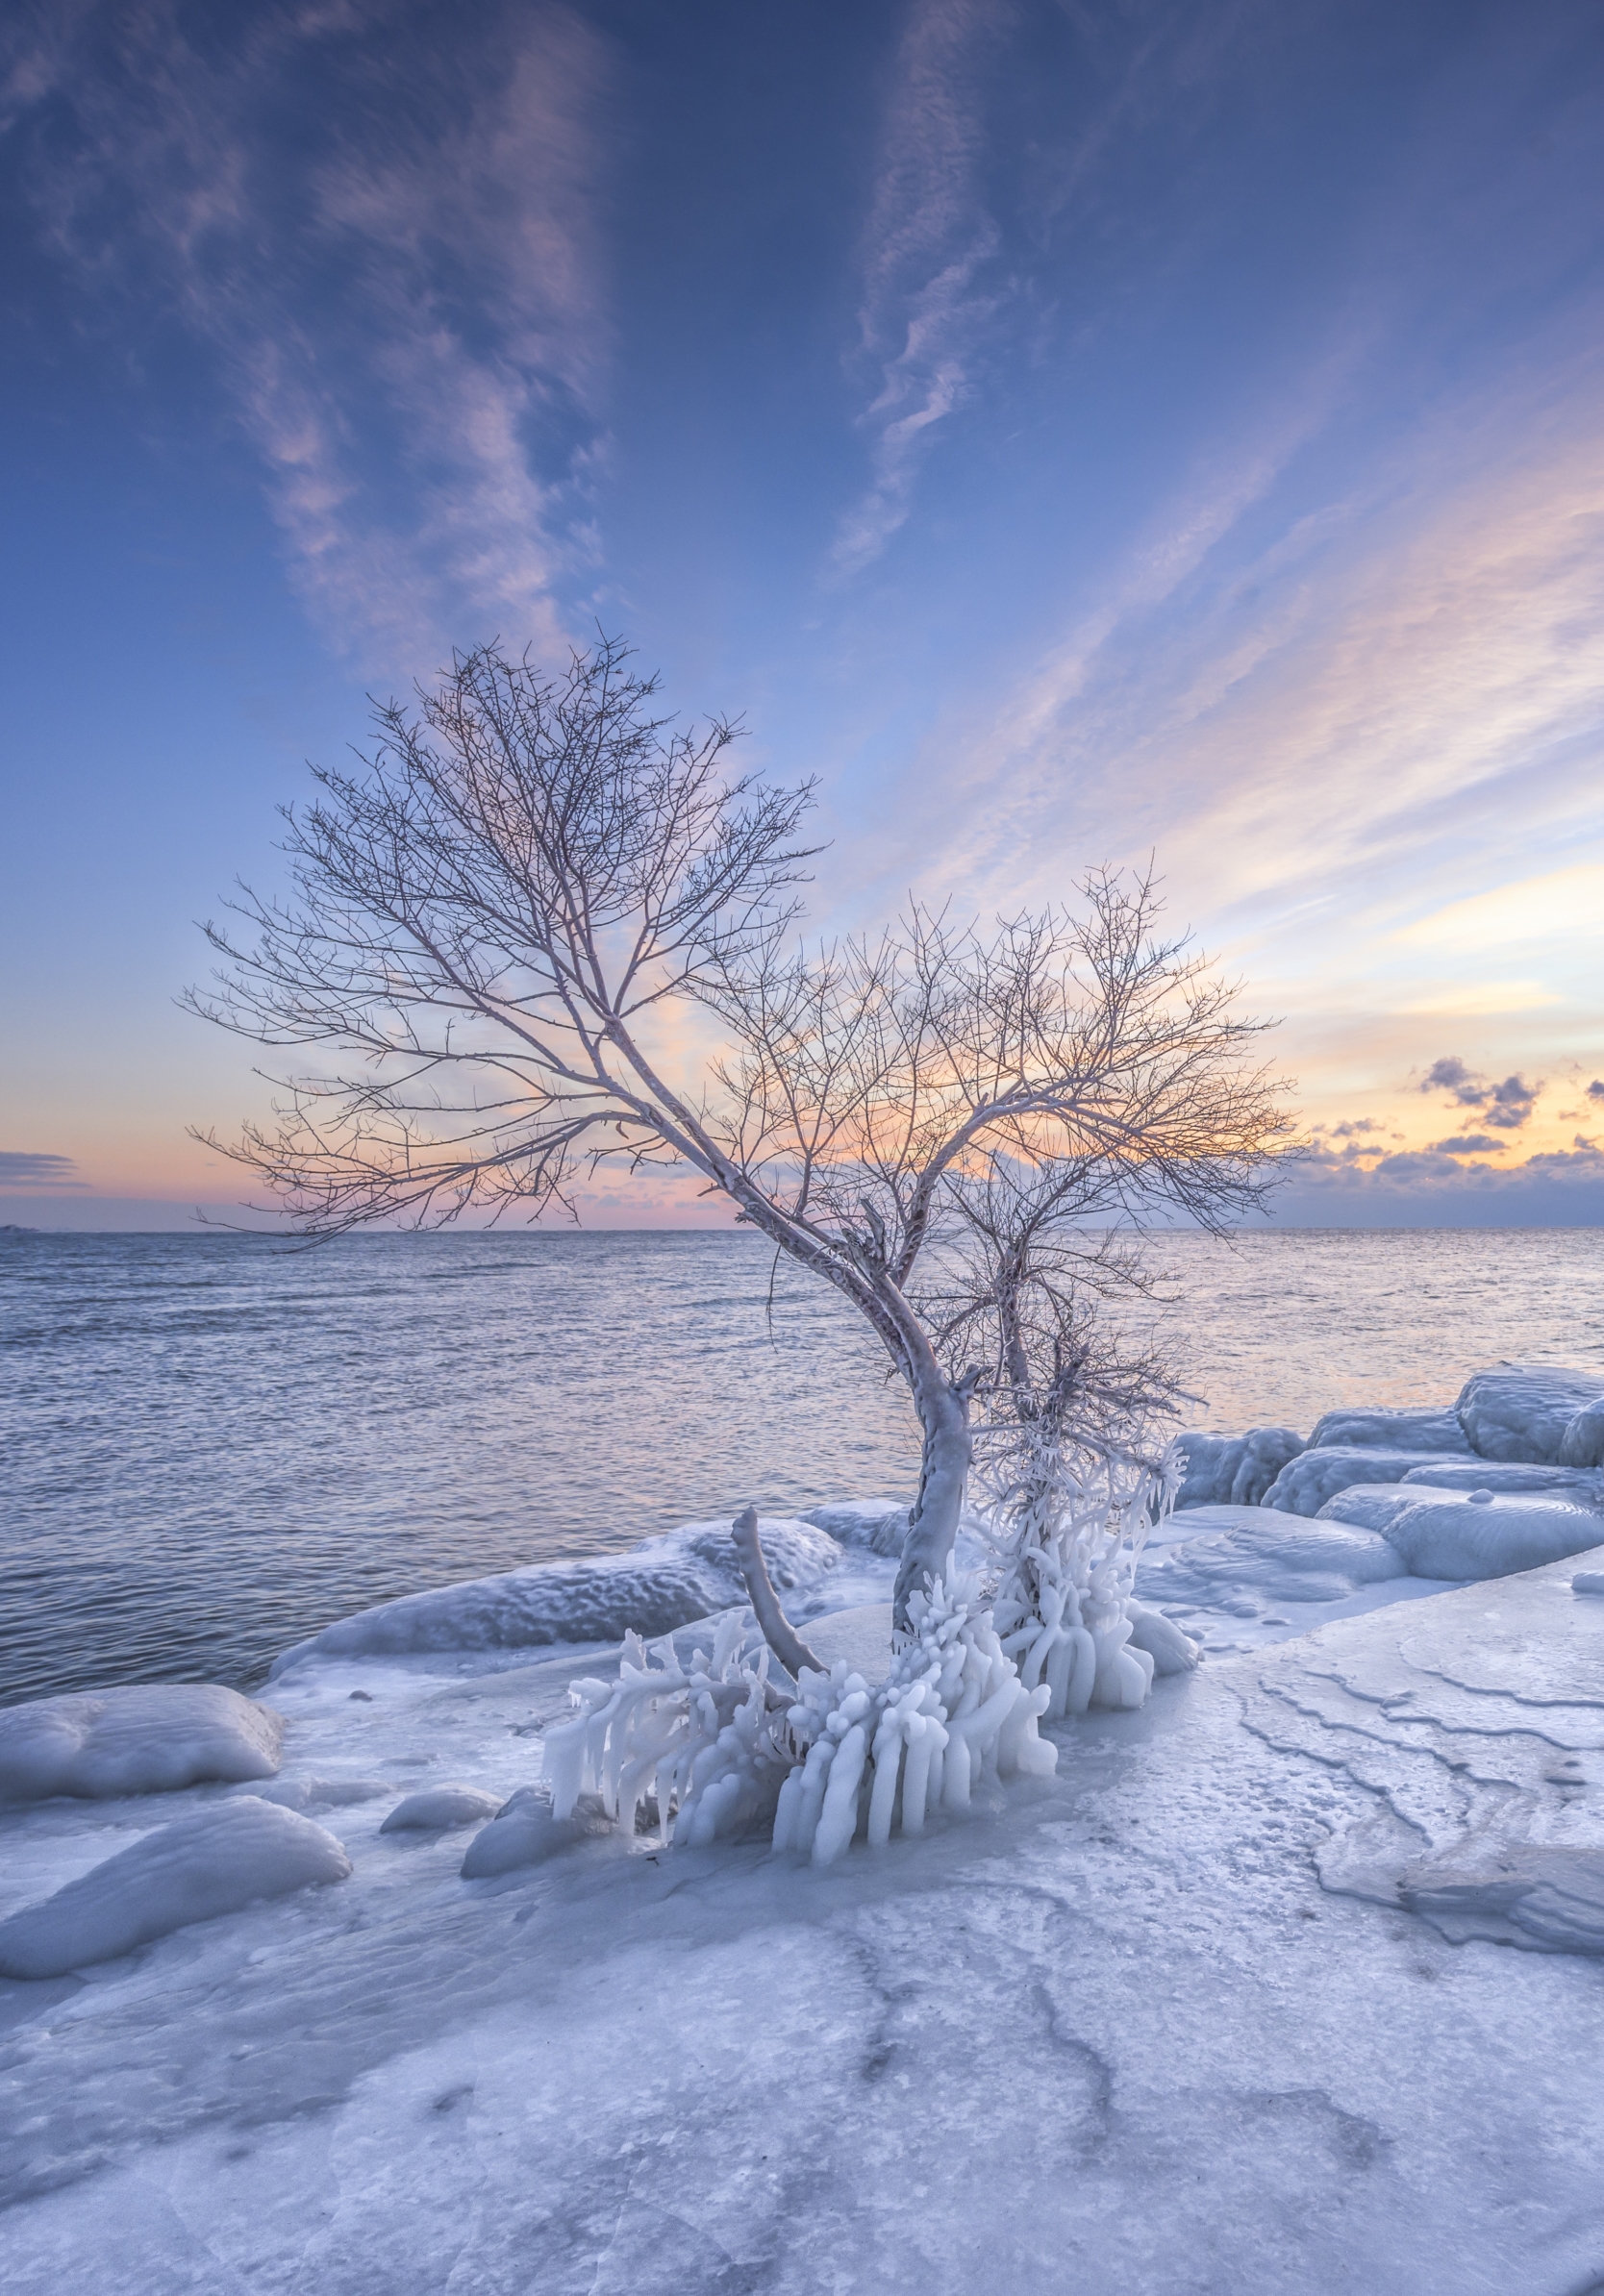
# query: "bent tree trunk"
[[948, 1446]]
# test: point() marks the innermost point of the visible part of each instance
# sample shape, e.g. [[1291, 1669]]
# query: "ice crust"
[[1306, 1483], [1357, 1429], [1526, 1411], [148, 1739], [1110, 2030], [659, 1585], [1220, 1470], [213, 1862], [438, 1808]]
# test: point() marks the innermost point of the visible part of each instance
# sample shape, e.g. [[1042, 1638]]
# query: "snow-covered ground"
[[1291, 1981]]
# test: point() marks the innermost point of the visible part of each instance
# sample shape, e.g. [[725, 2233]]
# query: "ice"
[[1481, 1537], [525, 1832], [1364, 1430], [1503, 1476], [660, 1585], [213, 1861], [1107, 2028], [147, 1738], [1588, 1582], [1306, 1483], [323, 1794], [1275, 1558], [441, 1806], [1582, 1445], [1526, 1411], [1232, 1470]]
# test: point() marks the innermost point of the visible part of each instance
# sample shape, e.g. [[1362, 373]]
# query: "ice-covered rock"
[[1272, 1555], [1356, 1428], [663, 1583], [1369, 1505], [878, 1525], [1588, 1582], [144, 1739], [215, 1860], [439, 1807], [1504, 1475], [1306, 1483], [1525, 1411], [524, 1832], [1220, 1470], [1581, 1444], [324, 1793], [1481, 1537]]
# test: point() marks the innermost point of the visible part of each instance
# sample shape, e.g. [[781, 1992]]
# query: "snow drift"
[[214, 1862], [147, 1738]]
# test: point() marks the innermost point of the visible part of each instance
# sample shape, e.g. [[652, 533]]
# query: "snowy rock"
[[1219, 1470], [1504, 1475], [214, 1862], [146, 1738], [1272, 1555], [1525, 1411], [1359, 1429], [524, 1832], [1480, 1536], [1582, 1445], [324, 1793], [663, 1583], [878, 1525], [439, 1807], [1369, 1505], [1306, 1483]]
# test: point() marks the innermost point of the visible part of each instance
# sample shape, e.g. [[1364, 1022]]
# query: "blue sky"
[[1072, 430]]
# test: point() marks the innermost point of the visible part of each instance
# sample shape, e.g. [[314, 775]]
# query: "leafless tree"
[[496, 917]]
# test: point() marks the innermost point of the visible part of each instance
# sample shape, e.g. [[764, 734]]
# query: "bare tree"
[[493, 918]]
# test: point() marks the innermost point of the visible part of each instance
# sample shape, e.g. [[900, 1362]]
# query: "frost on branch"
[[951, 1711], [718, 1748], [707, 1743], [1070, 1529]]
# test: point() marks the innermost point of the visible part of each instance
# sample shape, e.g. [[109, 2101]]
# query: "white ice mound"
[[439, 1807], [325, 1793], [861, 1638], [1582, 1445], [1282, 1558], [1584, 1486], [146, 1738], [663, 1583], [1307, 1482], [525, 1831], [1481, 1537], [1588, 1582], [1354, 1427], [879, 1525], [1220, 1470], [216, 1861], [1526, 1411]]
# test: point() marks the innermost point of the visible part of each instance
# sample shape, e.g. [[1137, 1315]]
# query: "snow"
[[147, 1738], [439, 1807], [1390, 1431], [1233, 1470], [1307, 1482], [1186, 2015], [663, 1583], [209, 1863], [1525, 1411]]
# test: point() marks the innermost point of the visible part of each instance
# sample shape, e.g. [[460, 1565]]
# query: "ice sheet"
[[1112, 2033]]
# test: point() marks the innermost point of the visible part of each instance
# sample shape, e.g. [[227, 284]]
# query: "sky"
[[1076, 433]]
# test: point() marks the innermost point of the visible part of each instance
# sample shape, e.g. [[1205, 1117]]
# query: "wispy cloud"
[[930, 294], [390, 256], [21, 1168]]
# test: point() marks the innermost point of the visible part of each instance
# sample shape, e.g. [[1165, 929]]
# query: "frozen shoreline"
[[1291, 1978]]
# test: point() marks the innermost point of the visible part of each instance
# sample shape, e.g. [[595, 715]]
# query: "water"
[[212, 1447]]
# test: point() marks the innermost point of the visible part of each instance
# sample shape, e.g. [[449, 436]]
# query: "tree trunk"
[[943, 1471]]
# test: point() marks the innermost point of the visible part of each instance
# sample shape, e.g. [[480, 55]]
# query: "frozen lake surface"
[[214, 1447]]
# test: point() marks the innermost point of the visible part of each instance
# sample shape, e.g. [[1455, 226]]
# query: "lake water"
[[212, 1446]]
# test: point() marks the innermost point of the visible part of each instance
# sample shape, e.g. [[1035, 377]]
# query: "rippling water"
[[212, 1446]]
